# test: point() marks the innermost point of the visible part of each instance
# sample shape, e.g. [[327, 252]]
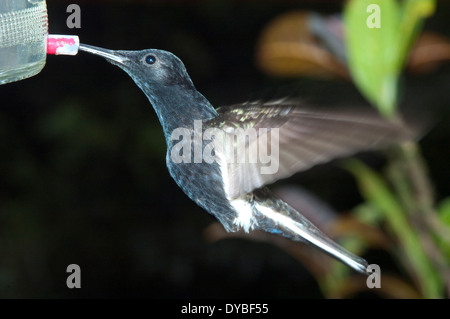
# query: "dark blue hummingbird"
[[233, 188]]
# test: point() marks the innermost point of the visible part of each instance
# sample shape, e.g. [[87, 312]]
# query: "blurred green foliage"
[[379, 34], [444, 211], [376, 59], [377, 193]]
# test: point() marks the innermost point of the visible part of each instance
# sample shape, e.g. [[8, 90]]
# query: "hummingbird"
[[233, 188]]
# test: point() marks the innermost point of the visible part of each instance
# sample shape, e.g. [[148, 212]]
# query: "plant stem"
[[408, 173]]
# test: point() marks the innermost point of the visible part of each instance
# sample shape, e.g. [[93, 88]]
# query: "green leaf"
[[375, 191], [368, 214], [412, 14], [443, 210], [373, 51], [379, 35]]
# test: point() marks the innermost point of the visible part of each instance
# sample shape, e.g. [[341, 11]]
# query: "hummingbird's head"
[[150, 69]]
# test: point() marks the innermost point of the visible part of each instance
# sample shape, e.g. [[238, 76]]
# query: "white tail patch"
[[244, 214], [314, 236]]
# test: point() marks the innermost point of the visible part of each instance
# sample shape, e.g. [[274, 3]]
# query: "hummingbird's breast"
[[200, 177]]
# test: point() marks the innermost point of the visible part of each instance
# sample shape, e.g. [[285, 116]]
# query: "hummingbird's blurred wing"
[[282, 138]]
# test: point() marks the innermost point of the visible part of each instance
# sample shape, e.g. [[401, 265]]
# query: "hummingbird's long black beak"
[[110, 55]]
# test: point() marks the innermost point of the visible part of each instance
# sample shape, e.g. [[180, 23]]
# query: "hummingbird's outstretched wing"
[[289, 138]]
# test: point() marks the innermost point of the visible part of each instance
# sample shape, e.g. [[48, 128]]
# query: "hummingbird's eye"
[[150, 59]]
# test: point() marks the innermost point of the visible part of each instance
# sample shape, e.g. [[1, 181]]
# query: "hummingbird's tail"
[[276, 216]]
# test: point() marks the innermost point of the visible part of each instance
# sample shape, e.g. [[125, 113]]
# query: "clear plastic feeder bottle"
[[23, 38]]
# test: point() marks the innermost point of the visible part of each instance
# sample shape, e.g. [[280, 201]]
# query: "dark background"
[[82, 157]]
